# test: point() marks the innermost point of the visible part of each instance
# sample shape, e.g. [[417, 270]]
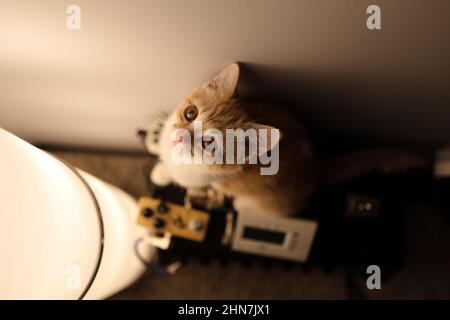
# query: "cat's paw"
[[205, 197], [160, 175], [243, 204]]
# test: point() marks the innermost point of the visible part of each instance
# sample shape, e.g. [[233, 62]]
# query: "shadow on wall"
[[351, 109]]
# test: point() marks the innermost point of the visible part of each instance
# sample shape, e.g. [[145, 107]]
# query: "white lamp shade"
[[64, 234]]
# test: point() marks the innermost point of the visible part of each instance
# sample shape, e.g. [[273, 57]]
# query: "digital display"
[[276, 237]]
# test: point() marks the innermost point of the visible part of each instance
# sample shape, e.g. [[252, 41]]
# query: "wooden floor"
[[426, 274]]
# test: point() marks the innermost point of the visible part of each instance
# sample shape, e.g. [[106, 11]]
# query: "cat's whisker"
[[158, 116]]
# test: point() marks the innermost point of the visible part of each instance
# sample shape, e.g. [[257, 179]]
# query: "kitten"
[[287, 192], [216, 106]]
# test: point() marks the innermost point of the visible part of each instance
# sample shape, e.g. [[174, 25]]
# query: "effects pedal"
[[163, 217]]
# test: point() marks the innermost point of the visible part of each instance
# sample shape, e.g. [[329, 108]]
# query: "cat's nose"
[[177, 138]]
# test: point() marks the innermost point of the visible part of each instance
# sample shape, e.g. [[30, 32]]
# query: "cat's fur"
[[284, 193]]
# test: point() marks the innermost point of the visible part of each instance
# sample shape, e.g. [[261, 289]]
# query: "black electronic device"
[[355, 224]]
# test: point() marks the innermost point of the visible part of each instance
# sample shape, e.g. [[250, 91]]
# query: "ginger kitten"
[[215, 106]]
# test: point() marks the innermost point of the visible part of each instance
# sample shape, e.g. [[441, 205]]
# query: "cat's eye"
[[207, 141], [190, 113]]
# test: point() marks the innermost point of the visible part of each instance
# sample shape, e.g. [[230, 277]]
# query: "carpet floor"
[[425, 275]]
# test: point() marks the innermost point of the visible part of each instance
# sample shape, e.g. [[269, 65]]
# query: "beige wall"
[[93, 87]]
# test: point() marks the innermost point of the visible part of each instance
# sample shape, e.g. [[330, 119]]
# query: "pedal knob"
[[196, 224], [162, 208], [147, 212], [159, 223]]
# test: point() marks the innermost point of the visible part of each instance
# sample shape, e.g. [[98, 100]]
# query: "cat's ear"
[[261, 144], [225, 83], [268, 137]]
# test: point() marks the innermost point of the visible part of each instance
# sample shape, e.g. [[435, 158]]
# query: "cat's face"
[[210, 107]]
